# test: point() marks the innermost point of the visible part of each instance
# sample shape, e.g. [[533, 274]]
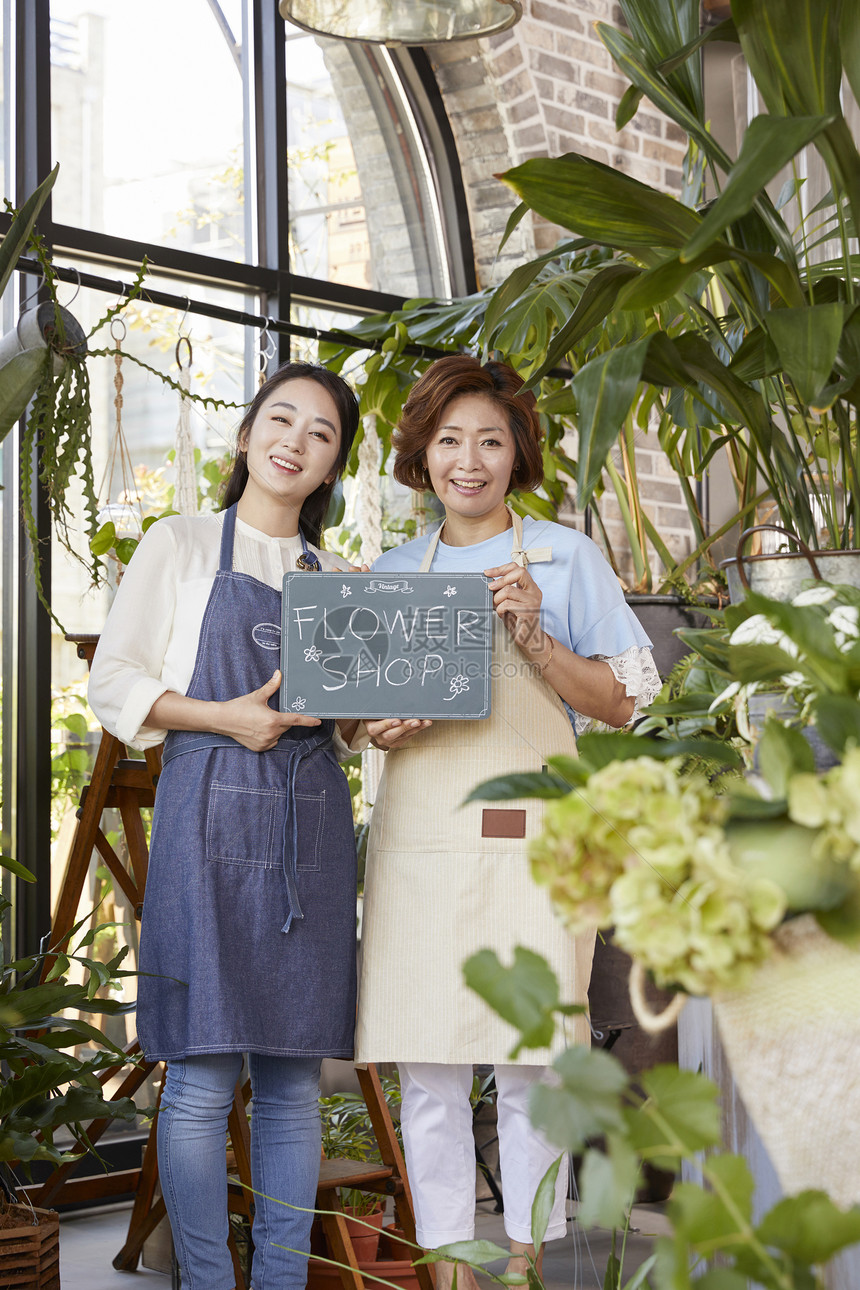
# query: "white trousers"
[[440, 1152]]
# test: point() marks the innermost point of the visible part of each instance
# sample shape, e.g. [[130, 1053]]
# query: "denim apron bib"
[[248, 927]]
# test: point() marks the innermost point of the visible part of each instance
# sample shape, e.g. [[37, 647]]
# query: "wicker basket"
[[29, 1248], [793, 1043]]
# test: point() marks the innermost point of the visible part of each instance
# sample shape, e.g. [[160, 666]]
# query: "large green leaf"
[[768, 144], [543, 1203], [601, 203], [657, 88], [21, 227], [802, 76], [524, 994], [661, 29], [837, 719], [705, 1218], [607, 1184], [792, 49], [604, 389], [849, 40], [783, 752], [508, 788], [809, 1227], [807, 340], [585, 1103], [596, 301]]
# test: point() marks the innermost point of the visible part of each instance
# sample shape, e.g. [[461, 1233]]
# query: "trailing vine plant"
[[57, 434]]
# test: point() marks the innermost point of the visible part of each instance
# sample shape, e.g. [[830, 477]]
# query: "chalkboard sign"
[[362, 645]]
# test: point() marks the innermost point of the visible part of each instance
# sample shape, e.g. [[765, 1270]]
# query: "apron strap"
[[228, 535], [431, 550], [534, 555]]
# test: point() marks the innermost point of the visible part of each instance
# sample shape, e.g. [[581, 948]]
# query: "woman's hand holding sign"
[[517, 600], [392, 732]]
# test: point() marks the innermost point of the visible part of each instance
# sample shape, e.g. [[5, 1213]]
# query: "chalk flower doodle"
[[450, 591], [345, 591], [458, 685], [313, 654], [298, 704]]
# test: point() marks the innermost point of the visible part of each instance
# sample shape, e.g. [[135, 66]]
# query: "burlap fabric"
[[793, 1041]]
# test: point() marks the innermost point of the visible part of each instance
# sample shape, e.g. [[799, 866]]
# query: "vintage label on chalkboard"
[[366, 645]]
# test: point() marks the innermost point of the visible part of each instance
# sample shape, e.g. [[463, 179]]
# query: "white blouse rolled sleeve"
[[128, 669], [149, 642]]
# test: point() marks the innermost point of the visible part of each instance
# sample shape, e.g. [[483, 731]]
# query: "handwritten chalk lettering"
[[425, 656]]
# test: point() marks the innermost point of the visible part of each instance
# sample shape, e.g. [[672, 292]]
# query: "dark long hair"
[[314, 507]]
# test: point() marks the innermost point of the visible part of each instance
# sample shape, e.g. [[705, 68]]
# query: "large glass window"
[[148, 111], [196, 132]]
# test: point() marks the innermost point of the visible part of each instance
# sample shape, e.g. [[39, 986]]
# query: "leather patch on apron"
[[503, 824]]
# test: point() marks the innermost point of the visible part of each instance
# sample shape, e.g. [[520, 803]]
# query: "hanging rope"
[[368, 513], [368, 504], [125, 512], [185, 490]]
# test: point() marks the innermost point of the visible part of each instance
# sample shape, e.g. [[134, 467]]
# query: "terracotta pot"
[[395, 1246], [322, 1276], [364, 1241]]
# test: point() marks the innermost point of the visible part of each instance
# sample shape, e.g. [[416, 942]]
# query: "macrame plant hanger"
[[185, 489], [368, 509], [126, 513], [268, 350]]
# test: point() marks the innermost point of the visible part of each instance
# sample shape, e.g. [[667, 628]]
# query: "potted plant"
[[519, 320], [764, 340], [382, 1254], [48, 1086]]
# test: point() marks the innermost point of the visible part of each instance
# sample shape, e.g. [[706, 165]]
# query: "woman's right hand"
[[252, 723], [393, 732]]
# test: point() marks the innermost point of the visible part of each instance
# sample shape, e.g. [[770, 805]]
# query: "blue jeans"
[[285, 1161]]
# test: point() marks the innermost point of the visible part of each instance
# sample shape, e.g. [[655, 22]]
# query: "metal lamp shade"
[[402, 22]]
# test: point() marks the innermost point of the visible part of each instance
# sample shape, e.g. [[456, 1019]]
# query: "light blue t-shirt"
[[583, 605]]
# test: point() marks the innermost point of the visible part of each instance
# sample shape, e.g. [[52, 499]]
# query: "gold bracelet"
[[551, 652]]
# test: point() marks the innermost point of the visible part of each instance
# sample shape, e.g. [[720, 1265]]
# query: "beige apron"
[[437, 890]]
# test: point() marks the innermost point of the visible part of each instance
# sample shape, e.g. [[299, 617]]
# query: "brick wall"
[[544, 87]]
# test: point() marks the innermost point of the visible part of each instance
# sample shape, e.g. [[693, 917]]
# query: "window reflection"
[[150, 139], [363, 209]]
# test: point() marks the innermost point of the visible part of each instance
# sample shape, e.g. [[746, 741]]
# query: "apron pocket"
[[310, 821], [239, 825]]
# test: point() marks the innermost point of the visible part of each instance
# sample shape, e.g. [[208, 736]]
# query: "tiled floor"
[[89, 1243]]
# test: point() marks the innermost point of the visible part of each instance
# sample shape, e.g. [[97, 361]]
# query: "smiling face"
[[471, 456], [291, 448]]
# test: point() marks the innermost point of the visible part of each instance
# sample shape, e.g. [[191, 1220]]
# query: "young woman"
[[444, 880], [248, 930]]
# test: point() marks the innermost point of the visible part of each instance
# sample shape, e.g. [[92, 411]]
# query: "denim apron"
[[248, 927]]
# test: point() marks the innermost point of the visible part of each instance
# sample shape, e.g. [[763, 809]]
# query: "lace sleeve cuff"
[[635, 669]]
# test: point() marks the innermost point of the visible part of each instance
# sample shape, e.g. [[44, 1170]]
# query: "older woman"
[[443, 880]]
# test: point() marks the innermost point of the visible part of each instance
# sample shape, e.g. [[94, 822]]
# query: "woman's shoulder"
[[407, 556], [186, 530]]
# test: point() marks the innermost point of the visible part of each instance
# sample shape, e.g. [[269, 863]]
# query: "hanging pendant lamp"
[[402, 22]]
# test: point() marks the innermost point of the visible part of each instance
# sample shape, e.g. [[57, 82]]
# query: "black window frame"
[[26, 749]]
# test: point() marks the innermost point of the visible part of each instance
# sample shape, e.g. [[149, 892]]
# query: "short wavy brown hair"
[[449, 378]]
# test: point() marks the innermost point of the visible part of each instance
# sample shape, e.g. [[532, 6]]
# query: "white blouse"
[[149, 642]]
